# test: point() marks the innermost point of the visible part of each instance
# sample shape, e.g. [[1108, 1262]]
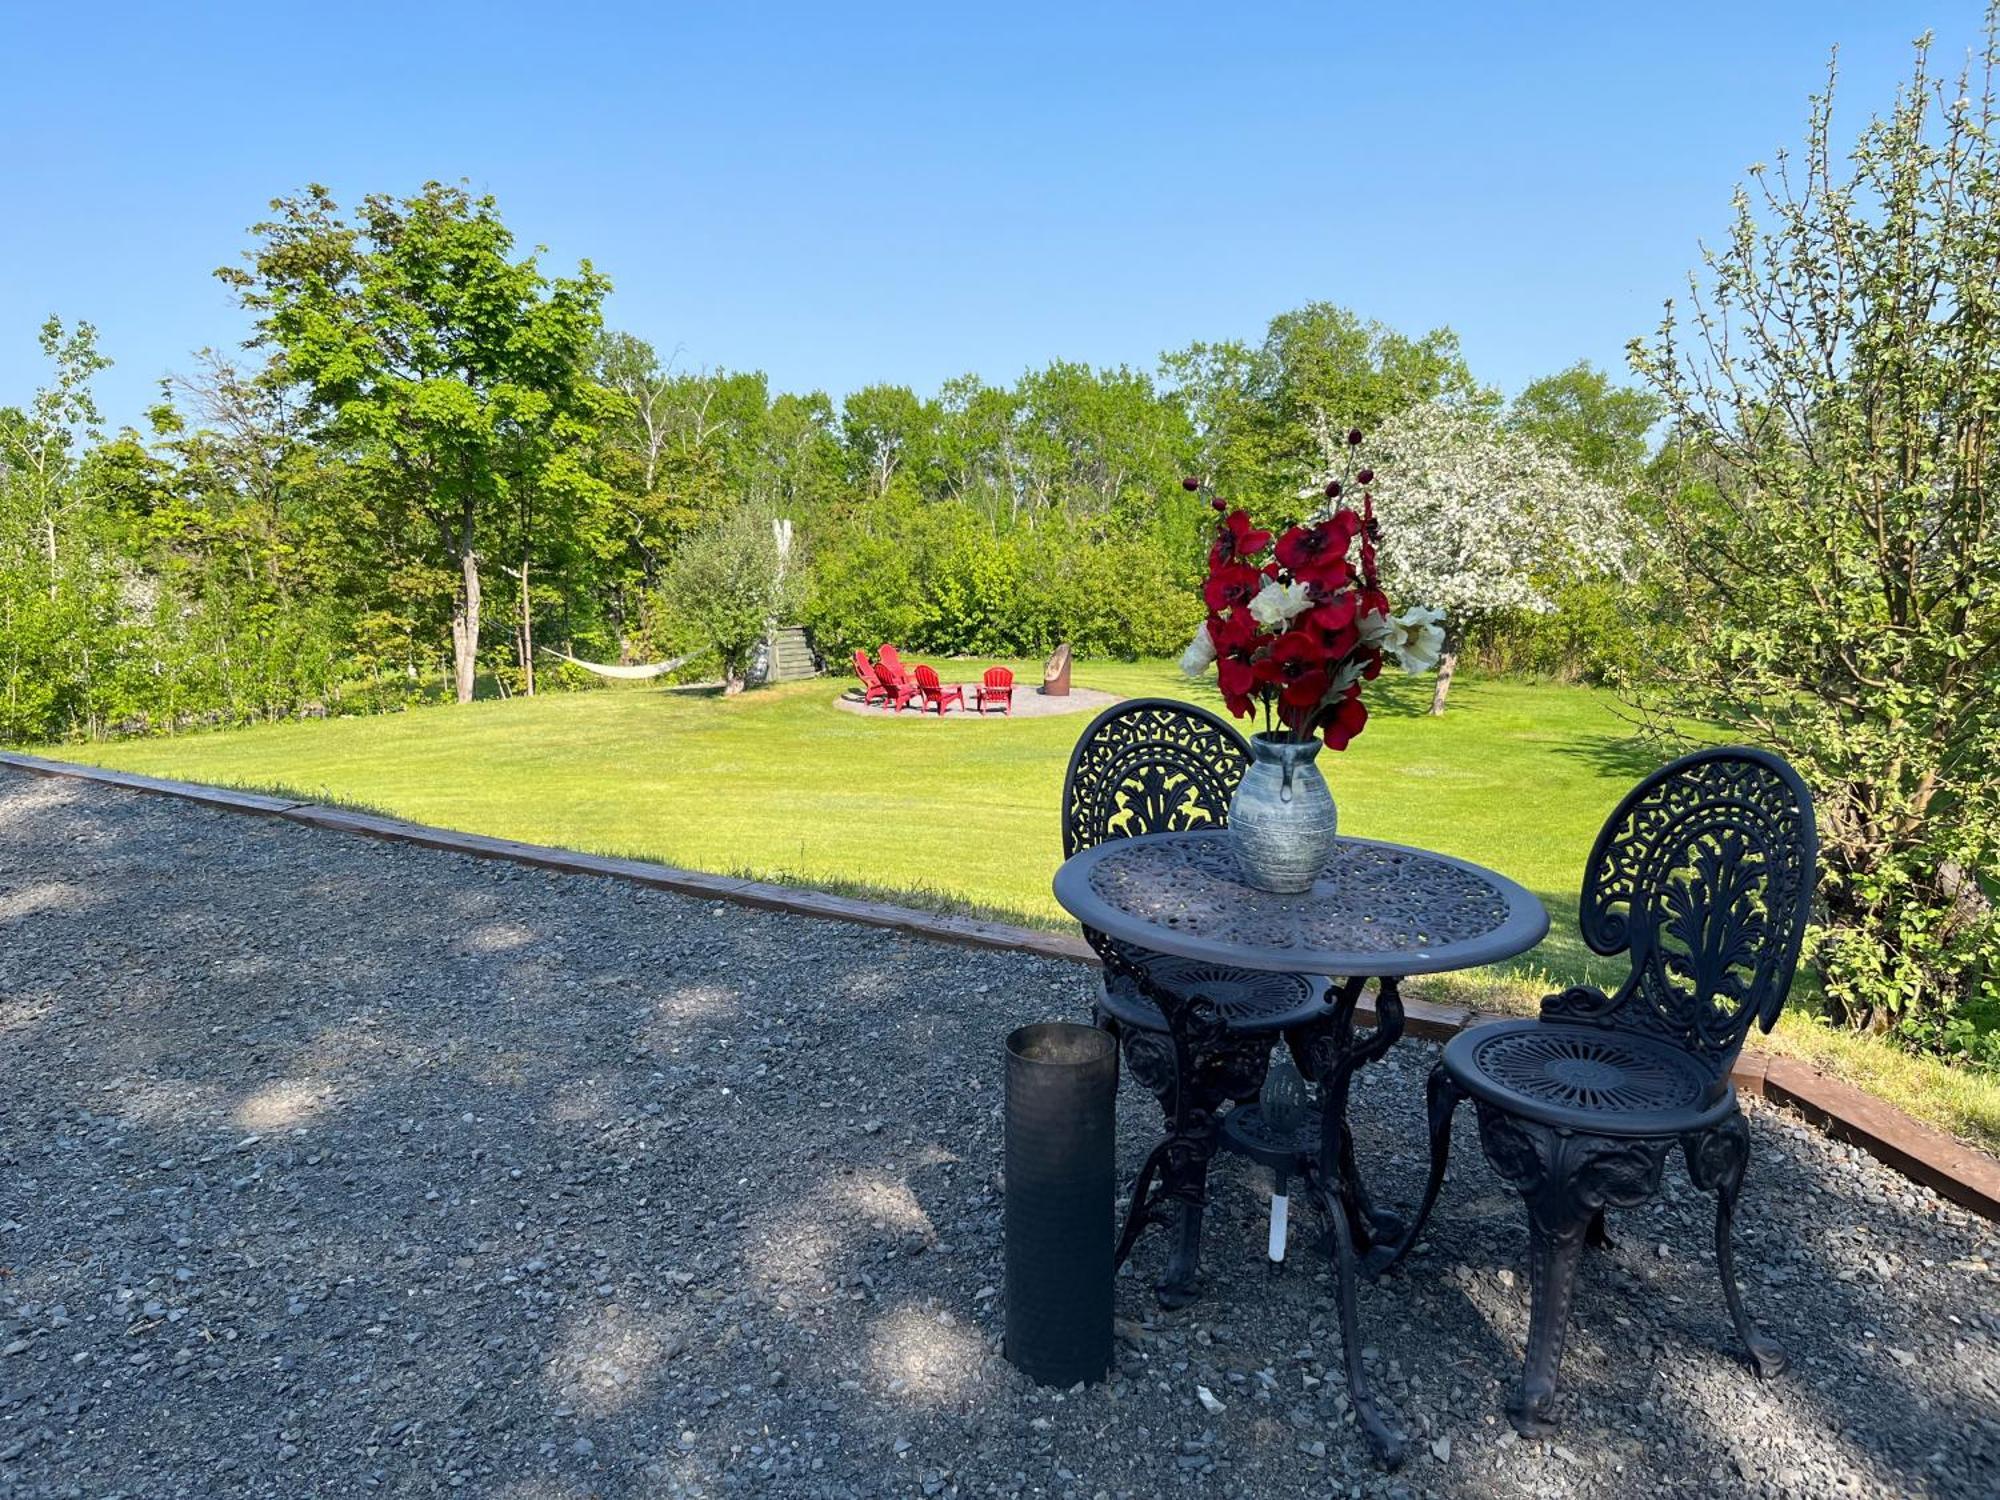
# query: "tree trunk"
[[1447, 664], [465, 622], [527, 633]]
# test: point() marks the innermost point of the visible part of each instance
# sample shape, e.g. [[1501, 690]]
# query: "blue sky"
[[845, 194]]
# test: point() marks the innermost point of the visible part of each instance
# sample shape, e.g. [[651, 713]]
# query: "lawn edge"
[[1954, 1170]]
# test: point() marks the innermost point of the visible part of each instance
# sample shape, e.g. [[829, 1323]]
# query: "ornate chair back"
[[1705, 875], [1151, 765]]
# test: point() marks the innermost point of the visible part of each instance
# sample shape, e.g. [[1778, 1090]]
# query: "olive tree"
[[1831, 545], [1480, 520]]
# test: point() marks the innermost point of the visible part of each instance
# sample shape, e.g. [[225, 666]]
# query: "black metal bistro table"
[[1377, 912]]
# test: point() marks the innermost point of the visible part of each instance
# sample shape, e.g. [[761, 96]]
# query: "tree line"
[[432, 458]]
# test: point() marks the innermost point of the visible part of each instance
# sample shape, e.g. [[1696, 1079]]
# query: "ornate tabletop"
[[1378, 909]]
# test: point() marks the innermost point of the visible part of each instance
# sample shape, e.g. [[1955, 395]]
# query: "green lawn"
[[780, 785]]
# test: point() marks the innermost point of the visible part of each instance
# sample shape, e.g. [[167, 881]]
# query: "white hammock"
[[637, 673]]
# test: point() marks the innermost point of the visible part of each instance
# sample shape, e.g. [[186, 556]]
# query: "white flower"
[[1375, 628], [1200, 654], [1278, 604], [1416, 639]]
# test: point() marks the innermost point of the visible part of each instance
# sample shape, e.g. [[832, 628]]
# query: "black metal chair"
[[1156, 765], [1705, 875]]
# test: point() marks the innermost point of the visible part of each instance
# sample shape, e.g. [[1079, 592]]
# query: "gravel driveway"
[[334, 1168]]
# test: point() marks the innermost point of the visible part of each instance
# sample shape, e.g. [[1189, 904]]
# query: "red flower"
[[1340, 641], [1239, 538], [1336, 611], [1238, 680], [1314, 552], [1346, 720], [1297, 668], [1366, 476], [1230, 583], [1190, 484], [1233, 633]]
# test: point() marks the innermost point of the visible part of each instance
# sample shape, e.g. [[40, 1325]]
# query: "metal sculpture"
[[1704, 875]]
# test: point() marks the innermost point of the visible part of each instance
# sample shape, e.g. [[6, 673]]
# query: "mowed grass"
[[962, 814]]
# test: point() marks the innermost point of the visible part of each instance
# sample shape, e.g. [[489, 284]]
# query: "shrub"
[[724, 587], [1832, 552], [939, 577]]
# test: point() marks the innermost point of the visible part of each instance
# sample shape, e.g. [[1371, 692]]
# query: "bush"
[[938, 577], [1832, 550], [725, 589], [1601, 630]]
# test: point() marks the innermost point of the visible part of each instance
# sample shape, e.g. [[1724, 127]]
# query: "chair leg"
[[1553, 1251], [1441, 1096], [1566, 1179], [1173, 1183], [1597, 1237], [1716, 1161]]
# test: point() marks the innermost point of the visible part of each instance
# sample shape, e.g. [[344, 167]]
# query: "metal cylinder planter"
[[1282, 815], [1062, 1082]]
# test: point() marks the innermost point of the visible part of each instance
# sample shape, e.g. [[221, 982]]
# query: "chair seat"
[[1588, 1078], [1249, 999]]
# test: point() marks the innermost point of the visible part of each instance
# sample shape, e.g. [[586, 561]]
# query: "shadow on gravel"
[[351, 1169]]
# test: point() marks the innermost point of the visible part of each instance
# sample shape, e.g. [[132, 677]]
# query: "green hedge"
[[938, 577]]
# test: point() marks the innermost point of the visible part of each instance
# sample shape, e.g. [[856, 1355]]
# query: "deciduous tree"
[[455, 371], [1479, 521], [1833, 542]]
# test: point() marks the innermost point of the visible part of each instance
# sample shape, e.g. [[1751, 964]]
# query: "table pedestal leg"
[[1332, 1055]]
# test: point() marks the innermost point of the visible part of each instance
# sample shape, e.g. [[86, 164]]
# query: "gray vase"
[[1282, 816]]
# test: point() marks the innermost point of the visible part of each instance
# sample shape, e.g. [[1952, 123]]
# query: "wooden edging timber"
[[1965, 1176]]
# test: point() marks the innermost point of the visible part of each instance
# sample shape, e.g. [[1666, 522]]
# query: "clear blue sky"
[[846, 194]]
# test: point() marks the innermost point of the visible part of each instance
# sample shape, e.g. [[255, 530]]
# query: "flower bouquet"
[[1295, 626]]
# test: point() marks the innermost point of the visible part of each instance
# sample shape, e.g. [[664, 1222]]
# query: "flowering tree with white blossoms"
[[1480, 521]]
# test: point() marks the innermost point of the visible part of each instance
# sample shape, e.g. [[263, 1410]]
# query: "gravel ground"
[[332, 1168]]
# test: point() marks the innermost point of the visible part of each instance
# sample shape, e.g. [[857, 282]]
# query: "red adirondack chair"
[[936, 693], [903, 689], [998, 687], [872, 690]]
